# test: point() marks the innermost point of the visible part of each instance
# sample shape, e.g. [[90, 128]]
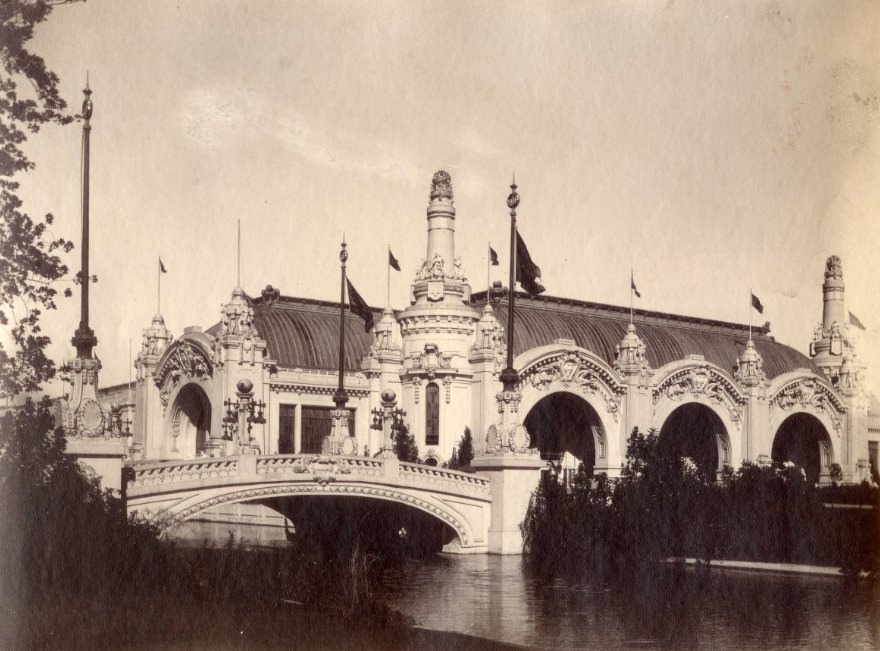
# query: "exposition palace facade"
[[587, 377]]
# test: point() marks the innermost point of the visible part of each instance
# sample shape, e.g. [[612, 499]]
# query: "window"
[[286, 428], [317, 423], [432, 414]]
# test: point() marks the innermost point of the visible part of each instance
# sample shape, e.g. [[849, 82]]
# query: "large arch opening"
[[803, 440], [190, 421], [695, 431], [563, 425]]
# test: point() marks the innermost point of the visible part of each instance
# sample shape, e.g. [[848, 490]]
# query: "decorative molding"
[[576, 370], [447, 383], [809, 394], [702, 382], [183, 359]]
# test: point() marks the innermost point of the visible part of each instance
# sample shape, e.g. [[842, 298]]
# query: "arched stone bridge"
[[170, 492]]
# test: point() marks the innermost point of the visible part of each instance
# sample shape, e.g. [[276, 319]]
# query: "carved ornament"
[[808, 394], [576, 371], [183, 360], [702, 382], [833, 267]]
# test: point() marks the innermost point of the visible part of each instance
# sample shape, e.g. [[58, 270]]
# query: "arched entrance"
[[697, 432], [803, 440], [563, 423], [190, 421]]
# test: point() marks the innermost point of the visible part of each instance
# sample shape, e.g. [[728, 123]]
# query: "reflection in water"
[[661, 607]]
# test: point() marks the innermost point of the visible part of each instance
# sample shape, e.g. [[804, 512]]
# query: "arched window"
[[432, 414]]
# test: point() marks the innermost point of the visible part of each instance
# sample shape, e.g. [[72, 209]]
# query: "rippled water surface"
[[492, 597]]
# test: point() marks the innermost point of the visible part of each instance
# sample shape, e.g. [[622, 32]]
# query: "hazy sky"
[[713, 147]]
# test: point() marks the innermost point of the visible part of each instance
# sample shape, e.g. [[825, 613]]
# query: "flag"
[[854, 321], [359, 306], [632, 284], [493, 257], [527, 272], [162, 267], [756, 303], [392, 261]]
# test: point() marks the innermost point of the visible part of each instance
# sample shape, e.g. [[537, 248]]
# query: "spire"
[[440, 267], [749, 370]]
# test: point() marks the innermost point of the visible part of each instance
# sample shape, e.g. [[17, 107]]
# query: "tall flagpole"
[[388, 271], [509, 376], [631, 292], [84, 339], [488, 269], [238, 266], [340, 397], [159, 286], [750, 313]]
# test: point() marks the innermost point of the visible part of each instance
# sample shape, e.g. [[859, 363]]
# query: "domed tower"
[[148, 408], [437, 329], [833, 350]]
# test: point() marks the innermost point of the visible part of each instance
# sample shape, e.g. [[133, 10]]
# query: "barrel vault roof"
[[304, 333]]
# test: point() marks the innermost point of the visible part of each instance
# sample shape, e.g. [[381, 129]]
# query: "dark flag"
[[854, 321], [756, 303], [493, 257], [359, 306], [527, 272], [392, 261], [632, 284], [162, 267]]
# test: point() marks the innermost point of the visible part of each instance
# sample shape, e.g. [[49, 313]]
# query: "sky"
[[714, 148]]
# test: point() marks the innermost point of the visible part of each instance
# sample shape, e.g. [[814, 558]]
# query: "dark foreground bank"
[[144, 625]]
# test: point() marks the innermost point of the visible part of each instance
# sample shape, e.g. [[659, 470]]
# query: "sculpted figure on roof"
[[441, 186], [833, 267]]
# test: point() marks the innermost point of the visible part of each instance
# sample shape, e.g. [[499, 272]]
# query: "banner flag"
[[392, 261], [527, 272], [756, 303], [359, 306]]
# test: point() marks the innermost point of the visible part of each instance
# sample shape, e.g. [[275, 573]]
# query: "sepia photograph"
[[439, 324]]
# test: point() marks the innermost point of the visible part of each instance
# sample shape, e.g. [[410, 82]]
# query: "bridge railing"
[[320, 468], [150, 473]]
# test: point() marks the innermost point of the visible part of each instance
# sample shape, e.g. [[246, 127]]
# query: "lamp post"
[[241, 416], [388, 419]]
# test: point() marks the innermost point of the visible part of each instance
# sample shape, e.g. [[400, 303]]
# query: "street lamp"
[[389, 419], [241, 416]]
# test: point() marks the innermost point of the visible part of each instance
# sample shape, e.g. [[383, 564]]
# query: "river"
[[493, 597]]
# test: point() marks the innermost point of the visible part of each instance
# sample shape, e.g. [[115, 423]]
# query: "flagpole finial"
[[343, 254]]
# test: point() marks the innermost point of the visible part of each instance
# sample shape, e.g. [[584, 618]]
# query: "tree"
[[29, 256], [405, 445], [464, 453]]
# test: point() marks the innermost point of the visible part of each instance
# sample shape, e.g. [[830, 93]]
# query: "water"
[[492, 597]]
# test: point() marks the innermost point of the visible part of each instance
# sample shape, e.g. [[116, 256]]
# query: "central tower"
[[437, 331]]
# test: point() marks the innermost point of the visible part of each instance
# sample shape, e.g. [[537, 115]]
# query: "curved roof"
[[669, 337], [303, 333]]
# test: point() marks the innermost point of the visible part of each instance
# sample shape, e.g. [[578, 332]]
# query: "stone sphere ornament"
[[245, 386]]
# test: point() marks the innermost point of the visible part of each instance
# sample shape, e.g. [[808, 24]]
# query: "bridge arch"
[[434, 507]]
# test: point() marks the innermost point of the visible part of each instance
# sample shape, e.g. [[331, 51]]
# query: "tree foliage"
[[30, 263], [405, 447], [463, 453]]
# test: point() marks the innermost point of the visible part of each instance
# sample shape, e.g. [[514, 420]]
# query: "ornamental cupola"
[[749, 371], [631, 355], [238, 340], [154, 342]]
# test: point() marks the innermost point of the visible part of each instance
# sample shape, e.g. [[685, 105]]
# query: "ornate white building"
[[587, 376]]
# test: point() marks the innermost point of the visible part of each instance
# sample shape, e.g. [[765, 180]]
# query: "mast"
[[341, 397], [84, 339], [509, 375]]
